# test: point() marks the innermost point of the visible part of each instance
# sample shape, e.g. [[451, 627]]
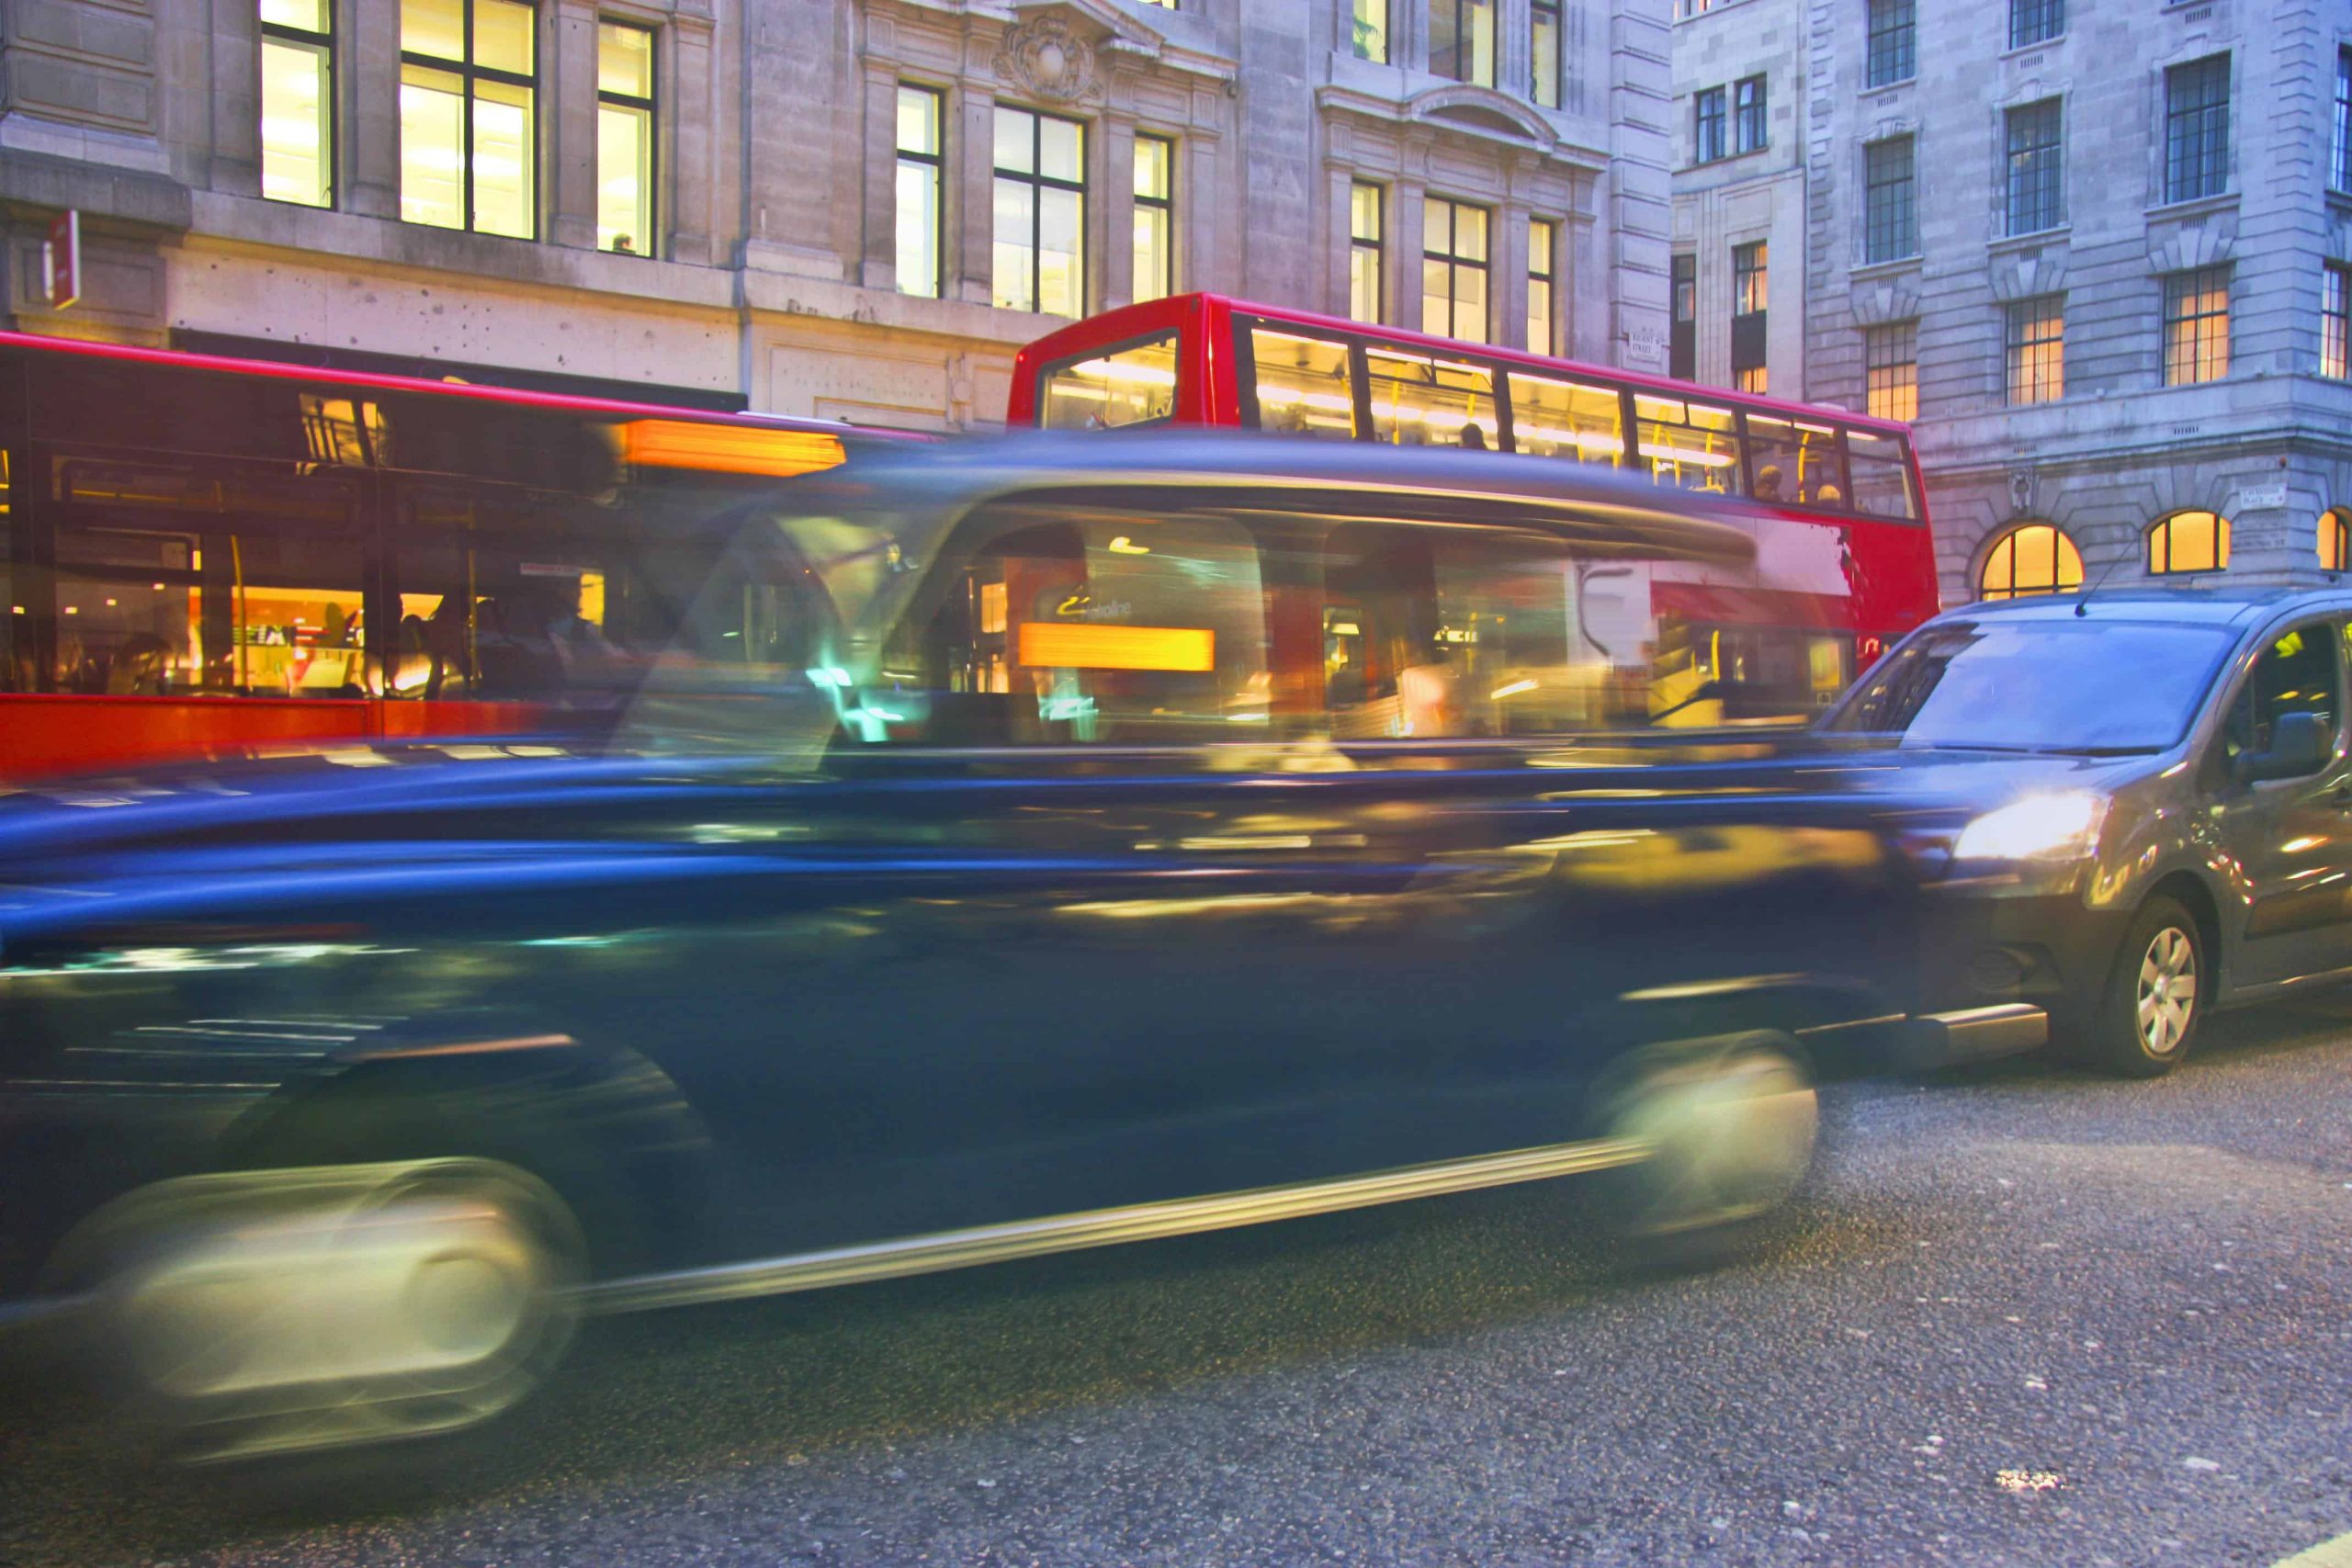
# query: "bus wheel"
[[1729, 1125], [263, 1314]]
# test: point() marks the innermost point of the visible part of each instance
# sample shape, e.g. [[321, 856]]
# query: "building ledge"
[[128, 198], [2010, 244], [1880, 272], [2195, 206]]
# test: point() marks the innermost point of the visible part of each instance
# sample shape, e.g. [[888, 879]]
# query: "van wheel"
[[1730, 1126], [2148, 1017], [257, 1315]]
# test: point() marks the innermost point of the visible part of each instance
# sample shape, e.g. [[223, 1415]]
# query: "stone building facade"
[[773, 159], [2099, 254]]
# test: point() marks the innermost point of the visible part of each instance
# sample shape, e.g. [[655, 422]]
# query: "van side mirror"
[[2300, 743]]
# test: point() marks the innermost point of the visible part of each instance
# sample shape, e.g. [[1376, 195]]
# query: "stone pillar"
[[234, 46], [1339, 224], [568, 122], [368, 83], [1507, 274], [878, 192], [971, 168], [1202, 253], [1514, 51], [687, 112], [1116, 208], [1403, 306]]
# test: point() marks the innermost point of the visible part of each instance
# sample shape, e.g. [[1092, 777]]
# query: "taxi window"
[[1108, 628], [2295, 674], [1134, 385], [1304, 387]]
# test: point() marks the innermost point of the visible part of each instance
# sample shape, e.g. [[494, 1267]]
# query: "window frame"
[[1370, 250], [468, 73], [2036, 322], [1891, 50], [1710, 125], [1750, 302], [2061, 546], [2335, 528], [651, 105], [2340, 165], [1360, 19], [2034, 194], [1164, 205], [1543, 284], [1751, 116], [2197, 133], [1682, 316], [2194, 352], [2036, 21], [1455, 265], [1466, 41], [1873, 363], [1538, 12], [2336, 320], [323, 44], [2162, 529], [937, 163], [1896, 237], [1038, 180]]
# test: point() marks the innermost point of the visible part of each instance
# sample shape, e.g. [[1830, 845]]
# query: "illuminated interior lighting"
[[1510, 690], [1123, 546], [73, 609], [1120, 370], [727, 448], [112, 603], [156, 586], [1053, 645], [1689, 455]]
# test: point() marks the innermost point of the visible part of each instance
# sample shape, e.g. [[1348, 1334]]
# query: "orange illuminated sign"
[[1054, 644], [727, 448]]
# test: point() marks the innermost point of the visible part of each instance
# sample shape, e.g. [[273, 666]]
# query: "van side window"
[[2295, 674], [1132, 629]]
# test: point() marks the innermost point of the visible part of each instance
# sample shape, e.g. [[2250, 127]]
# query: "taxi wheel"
[[2148, 1017], [1729, 1126], [273, 1314]]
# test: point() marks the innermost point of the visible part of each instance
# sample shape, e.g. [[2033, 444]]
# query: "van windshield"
[[2037, 686]]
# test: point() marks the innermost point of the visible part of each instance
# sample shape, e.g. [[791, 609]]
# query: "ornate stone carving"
[[1048, 59]]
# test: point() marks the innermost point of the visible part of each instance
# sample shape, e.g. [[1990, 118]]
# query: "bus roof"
[[377, 382], [1176, 310]]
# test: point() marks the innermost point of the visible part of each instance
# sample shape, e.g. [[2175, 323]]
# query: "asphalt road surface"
[[2020, 1317]]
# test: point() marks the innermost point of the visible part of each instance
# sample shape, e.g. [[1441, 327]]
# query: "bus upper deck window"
[[1418, 402], [1562, 419], [1794, 461], [1881, 475], [1687, 445], [1134, 385], [1304, 385]]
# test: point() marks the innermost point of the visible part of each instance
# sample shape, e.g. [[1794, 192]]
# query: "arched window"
[[2189, 541], [2336, 539], [2031, 558]]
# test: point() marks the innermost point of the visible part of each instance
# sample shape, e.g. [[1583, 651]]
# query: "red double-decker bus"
[[201, 554], [1844, 561]]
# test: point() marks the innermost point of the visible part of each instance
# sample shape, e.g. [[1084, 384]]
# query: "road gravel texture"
[[2020, 1317]]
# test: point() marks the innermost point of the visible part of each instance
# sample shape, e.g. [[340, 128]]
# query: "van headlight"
[[2056, 826]]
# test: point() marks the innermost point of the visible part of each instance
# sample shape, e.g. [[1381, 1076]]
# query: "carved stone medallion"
[[1049, 60]]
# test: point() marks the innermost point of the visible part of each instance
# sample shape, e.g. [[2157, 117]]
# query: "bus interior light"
[[727, 448]]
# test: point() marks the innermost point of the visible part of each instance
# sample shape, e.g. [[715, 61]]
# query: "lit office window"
[[1748, 277], [1368, 20], [1890, 366], [2189, 541], [1894, 46], [1709, 130], [2035, 351], [2196, 326], [1750, 121], [1544, 36], [2335, 321], [2336, 539], [297, 101], [1453, 270], [1462, 40], [1154, 217], [1040, 261], [2035, 161], [625, 139], [1889, 201], [2035, 21], [1367, 241], [2196, 128], [2033, 559], [920, 221], [469, 137], [1543, 248]]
